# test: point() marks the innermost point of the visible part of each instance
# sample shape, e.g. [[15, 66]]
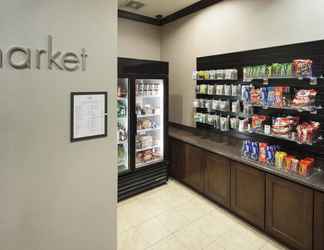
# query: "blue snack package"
[[264, 96], [246, 95], [271, 96], [255, 151]]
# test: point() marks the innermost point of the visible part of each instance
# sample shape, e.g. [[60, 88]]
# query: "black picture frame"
[[74, 94]]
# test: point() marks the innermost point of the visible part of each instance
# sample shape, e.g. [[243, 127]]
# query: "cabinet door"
[[319, 221], [194, 167], [248, 193], [289, 212], [217, 178], [177, 159]]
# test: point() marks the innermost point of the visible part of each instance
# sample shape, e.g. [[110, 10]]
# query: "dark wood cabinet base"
[[286, 211]]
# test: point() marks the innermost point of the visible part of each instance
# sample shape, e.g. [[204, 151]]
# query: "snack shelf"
[[143, 164], [148, 115], [285, 138], [315, 82], [147, 148], [218, 96], [314, 171], [147, 130], [299, 109]]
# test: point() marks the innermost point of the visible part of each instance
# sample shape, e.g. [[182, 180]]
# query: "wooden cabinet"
[[217, 178], [319, 221], [177, 159], [194, 162], [289, 212], [248, 193]]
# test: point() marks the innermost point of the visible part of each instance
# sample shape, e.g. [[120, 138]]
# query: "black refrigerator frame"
[[137, 180]]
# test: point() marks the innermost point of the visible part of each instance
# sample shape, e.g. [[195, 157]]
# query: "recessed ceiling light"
[[134, 4]]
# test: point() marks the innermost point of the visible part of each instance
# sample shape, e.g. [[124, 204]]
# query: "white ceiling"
[[158, 7]]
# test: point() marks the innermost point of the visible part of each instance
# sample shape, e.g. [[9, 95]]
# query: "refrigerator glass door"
[[150, 121], [123, 124]]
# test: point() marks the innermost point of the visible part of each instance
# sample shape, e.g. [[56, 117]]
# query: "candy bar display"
[[220, 74], [272, 156]]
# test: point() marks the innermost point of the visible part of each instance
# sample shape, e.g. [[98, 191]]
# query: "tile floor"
[[173, 217]]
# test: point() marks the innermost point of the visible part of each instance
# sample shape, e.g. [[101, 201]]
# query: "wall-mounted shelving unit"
[[282, 54]]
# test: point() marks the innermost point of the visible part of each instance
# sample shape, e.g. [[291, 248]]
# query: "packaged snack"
[[263, 153], [210, 89], [264, 96], [234, 122], [196, 103], [305, 166], [246, 94], [215, 104], [236, 90], [255, 96], [243, 124], [284, 125], [212, 74], [227, 90], [271, 96], [224, 124], [294, 165], [288, 163], [280, 157], [258, 121], [247, 149], [247, 109], [278, 97], [217, 121], [255, 151], [307, 132], [220, 74], [203, 89], [224, 105], [210, 119], [302, 68], [305, 97], [236, 107], [270, 154], [219, 89]]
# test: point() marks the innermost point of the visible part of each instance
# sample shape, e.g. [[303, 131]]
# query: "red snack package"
[[305, 97], [305, 166], [263, 153], [258, 120]]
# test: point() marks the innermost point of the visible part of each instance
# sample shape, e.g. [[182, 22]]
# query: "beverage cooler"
[[142, 111]]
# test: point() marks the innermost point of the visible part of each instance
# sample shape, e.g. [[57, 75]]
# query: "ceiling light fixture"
[[132, 4]]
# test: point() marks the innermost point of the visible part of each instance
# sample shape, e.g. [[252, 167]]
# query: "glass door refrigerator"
[[123, 125], [142, 111]]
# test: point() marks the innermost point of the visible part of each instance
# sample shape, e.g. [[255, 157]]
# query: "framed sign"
[[88, 115]]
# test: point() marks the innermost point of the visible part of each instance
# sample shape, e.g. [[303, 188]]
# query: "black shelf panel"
[[280, 54]]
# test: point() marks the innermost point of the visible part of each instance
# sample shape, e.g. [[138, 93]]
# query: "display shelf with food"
[[149, 122]]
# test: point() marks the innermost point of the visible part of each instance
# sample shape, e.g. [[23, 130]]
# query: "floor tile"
[[192, 238], [173, 217], [171, 243]]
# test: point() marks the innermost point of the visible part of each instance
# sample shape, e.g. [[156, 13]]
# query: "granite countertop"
[[230, 147]]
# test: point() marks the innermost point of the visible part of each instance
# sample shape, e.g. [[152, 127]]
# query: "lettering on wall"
[[54, 59]]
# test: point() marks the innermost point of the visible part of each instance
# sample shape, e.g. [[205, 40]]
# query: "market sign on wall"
[[21, 58]]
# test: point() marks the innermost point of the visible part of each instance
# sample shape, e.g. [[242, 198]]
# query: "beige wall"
[[138, 40], [230, 26], [56, 195]]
